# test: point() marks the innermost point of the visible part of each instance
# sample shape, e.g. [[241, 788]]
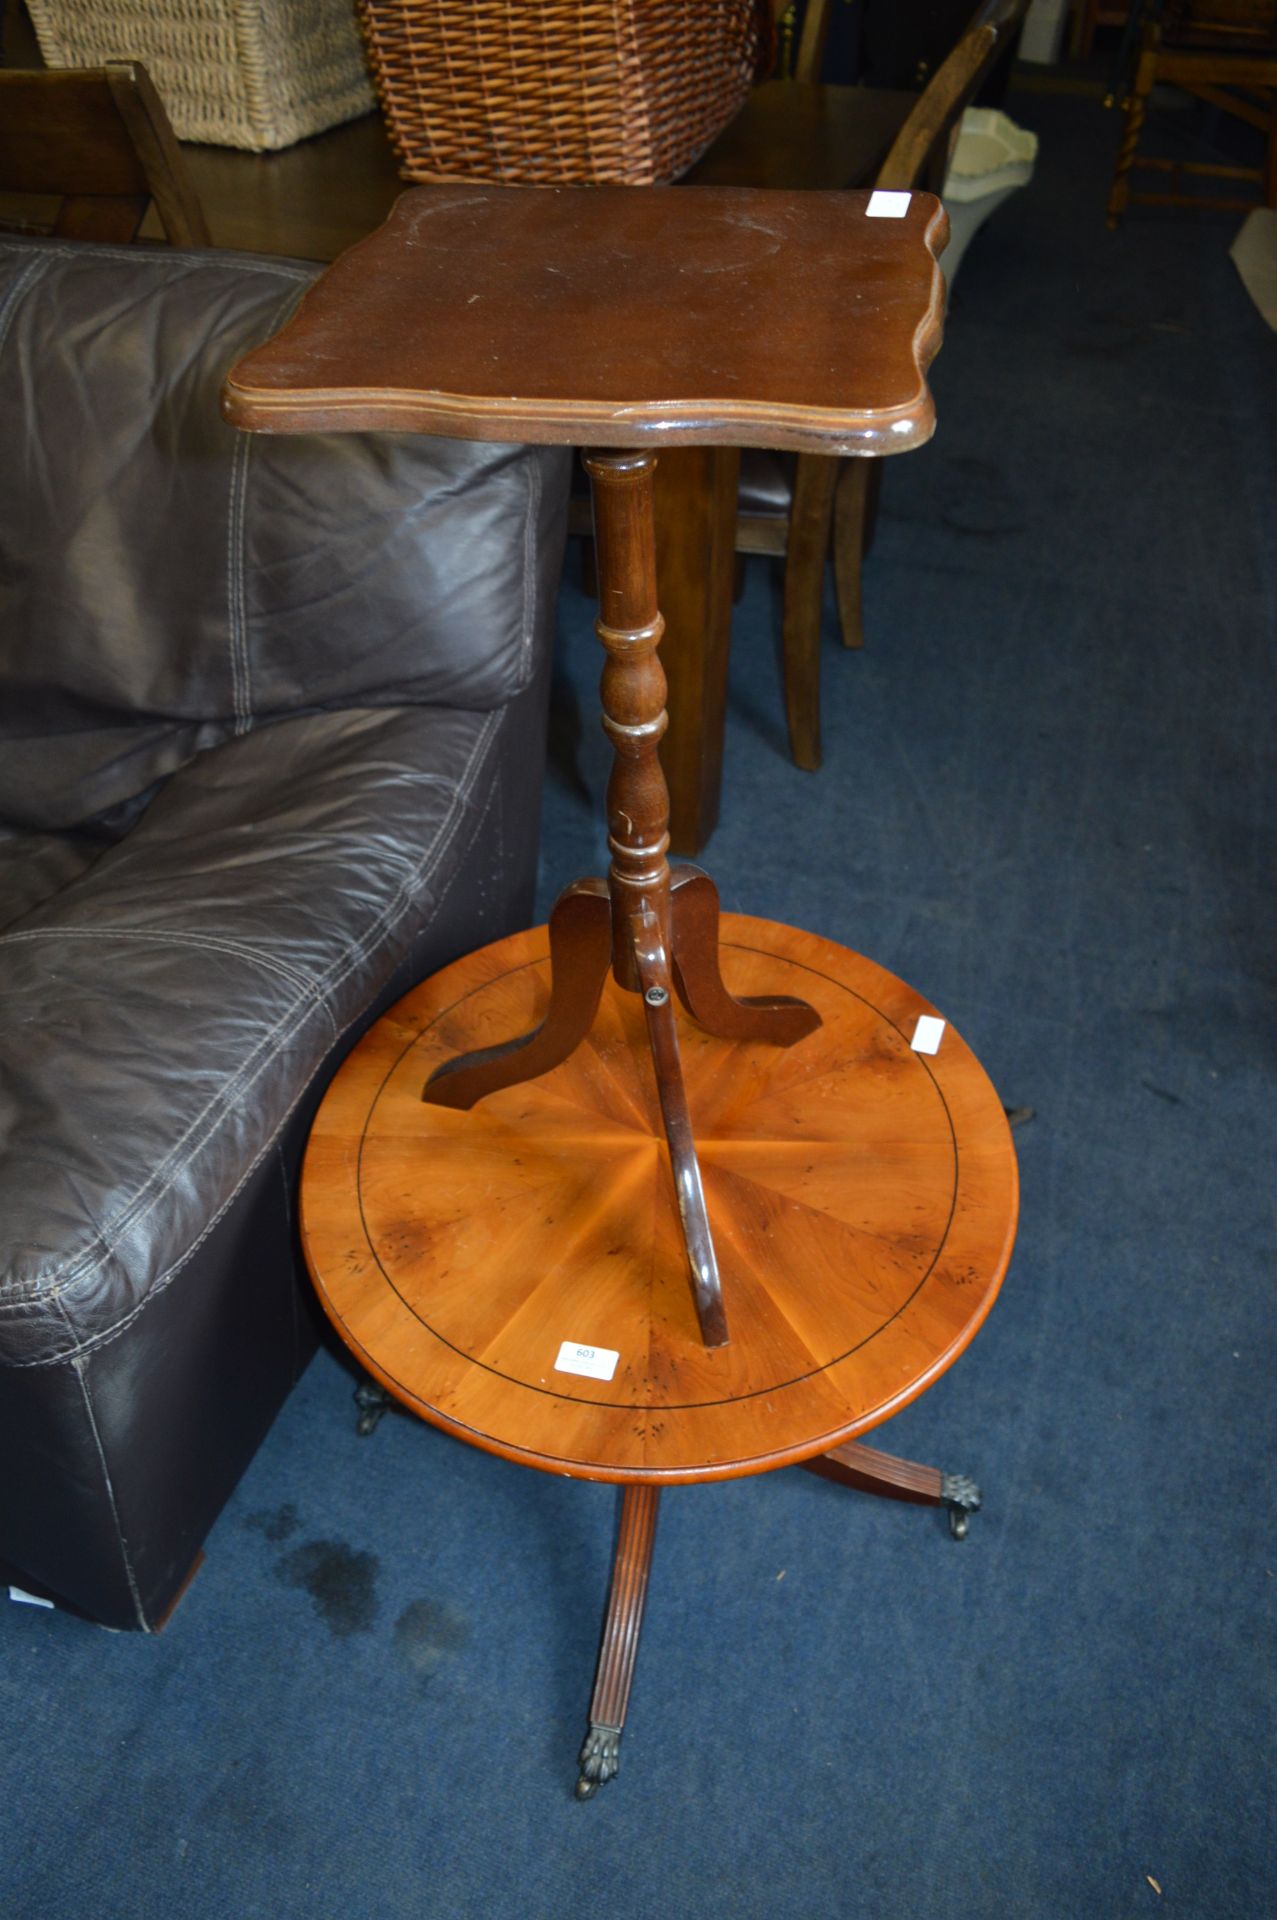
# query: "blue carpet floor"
[[1047, 801]]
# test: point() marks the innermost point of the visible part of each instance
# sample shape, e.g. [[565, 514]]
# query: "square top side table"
[[553, 1292]]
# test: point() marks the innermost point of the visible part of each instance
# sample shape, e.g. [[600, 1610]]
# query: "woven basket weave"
[[239, 73], [561, 92]]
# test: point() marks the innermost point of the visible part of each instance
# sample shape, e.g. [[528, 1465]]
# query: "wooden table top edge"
[[773, 1461], [707, 422], [563, 420]]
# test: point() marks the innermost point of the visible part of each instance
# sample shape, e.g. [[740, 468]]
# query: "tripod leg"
[[699, 983], [631, 1565], [580, 952], [707, 1288], [869, 1471]]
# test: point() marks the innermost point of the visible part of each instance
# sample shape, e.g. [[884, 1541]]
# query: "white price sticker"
[[884, 205], [596, 1363], [928, 1033]]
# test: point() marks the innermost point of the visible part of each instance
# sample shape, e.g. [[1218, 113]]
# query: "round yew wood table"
[[515, 1274]]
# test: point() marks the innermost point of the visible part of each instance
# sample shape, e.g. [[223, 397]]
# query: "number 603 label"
[[596, 1363]]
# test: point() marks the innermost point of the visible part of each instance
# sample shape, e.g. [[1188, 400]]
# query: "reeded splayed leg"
[[580, 950], [631, 1566], [869, 1471]]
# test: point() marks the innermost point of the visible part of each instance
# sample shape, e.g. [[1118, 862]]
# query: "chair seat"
[[766, 483]]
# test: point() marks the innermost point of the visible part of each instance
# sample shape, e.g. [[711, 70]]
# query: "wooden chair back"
[[101, 141], [811, 45], [920, 151], [1234, 25]]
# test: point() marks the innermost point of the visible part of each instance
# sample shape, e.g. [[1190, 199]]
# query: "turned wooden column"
[[632, 690]]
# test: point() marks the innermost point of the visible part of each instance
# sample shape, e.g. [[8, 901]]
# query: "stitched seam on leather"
[[152, 1190], [164, 257], [240, 697], [531, 522], [105, 1338], [21, 286], [77, 1363], [236, 564], [175, 937], [79, 1265]]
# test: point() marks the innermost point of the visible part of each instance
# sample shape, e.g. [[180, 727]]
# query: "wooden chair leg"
[[810, 520], [631, 1565], [857, 491], [868, 1471], [873, 494], [1120, 191]]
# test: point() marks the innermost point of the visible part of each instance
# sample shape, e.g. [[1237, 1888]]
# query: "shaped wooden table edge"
[[541, 314], [694, 320]]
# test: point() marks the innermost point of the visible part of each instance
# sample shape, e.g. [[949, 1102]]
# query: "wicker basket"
[[561, 92], [239, 73]]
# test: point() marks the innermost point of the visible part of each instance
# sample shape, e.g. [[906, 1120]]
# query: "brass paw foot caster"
[[600, 1760], [962, 1498], [372, 1401]]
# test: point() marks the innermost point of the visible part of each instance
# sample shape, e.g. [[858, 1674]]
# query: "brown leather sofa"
[[271, 747]]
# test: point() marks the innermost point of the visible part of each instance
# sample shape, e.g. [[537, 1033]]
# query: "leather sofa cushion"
[[160, 1017], [167, 584], [34, 866]]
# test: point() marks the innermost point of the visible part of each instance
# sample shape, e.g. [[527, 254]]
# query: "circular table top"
[[862, 1197]]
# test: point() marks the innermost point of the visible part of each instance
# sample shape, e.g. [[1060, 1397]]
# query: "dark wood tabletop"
[[618, 317], [328, 192], [793, 134]]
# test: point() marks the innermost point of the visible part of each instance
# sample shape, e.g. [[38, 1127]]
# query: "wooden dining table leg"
[[810, 522], [631, 1565], [695, 504]]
